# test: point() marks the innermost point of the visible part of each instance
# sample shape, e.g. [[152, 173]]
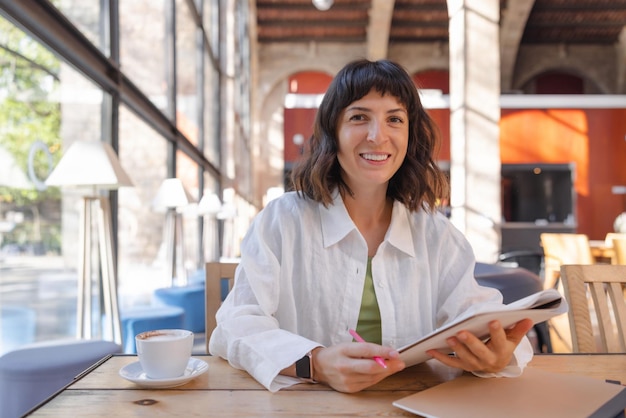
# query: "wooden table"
[[227, 392]]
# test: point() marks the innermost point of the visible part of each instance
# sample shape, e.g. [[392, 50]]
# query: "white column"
[[474, 119]]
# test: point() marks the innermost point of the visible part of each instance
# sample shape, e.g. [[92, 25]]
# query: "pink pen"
[[358, 338]]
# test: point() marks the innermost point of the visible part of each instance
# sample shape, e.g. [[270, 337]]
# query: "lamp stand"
[[211, 238], [175, 247], [98, 208]]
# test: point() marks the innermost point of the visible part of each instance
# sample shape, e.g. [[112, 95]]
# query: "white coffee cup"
[[164, 353]]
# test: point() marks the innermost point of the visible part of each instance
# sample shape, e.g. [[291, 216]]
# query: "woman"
[[359, 244]]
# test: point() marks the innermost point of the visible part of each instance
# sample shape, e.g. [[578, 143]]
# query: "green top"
[[368, 326]]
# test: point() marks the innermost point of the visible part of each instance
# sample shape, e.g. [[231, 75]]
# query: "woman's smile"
[[375, 157]]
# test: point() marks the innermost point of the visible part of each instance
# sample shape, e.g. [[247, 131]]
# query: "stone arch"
[[592, 87], [268, 137], [512, 25], [269, 130], [577, 60], [555, 82]]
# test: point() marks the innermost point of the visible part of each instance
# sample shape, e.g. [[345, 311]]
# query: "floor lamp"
[[92, 166], [172, 196]]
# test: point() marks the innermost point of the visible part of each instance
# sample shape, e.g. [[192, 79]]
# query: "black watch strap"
[[304, 367]]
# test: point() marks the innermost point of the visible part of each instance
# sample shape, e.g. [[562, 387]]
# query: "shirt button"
[[379, 285]]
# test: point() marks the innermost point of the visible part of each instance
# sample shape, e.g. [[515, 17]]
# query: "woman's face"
[[373, 135]]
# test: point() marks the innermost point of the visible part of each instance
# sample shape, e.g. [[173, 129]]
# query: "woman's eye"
[[357, 117], [396, 119]]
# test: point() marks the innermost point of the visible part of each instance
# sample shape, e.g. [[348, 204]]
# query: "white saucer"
[[135, 374]]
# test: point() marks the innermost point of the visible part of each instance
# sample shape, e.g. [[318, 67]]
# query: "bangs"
[[384, 77]]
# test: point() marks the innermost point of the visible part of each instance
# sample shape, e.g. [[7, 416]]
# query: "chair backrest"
[[599, 290], [216, 274], [619, 249], [608, 239], [560, 249]]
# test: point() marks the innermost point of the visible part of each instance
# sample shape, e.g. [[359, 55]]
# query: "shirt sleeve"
[[247, 333]]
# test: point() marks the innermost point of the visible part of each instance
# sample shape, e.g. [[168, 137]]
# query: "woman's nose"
[[374, 132]]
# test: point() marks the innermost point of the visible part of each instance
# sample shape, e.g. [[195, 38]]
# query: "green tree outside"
[[30, 121]]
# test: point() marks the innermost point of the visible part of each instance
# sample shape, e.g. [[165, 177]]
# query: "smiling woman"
[[359, 246]]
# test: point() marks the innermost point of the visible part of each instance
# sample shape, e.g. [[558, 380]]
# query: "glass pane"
[[242, 66], [236, 215], [186, 53], [210, 208], [86, 15], [187, 172], [211, 112], [211, 20], [142, 266], [211, 83], [142, 47], [45, 105]]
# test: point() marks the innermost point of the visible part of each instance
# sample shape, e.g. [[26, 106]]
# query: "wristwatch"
[[304, 367]]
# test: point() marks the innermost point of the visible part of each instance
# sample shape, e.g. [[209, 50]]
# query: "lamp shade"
[[89, 164], [171, 194], [209, 205], [323, 5]]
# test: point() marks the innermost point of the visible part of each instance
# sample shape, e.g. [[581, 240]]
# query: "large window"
[[143, 47], [141, 259], [84, 78], [31, 250]]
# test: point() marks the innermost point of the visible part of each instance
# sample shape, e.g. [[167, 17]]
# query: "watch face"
[[303, 367]]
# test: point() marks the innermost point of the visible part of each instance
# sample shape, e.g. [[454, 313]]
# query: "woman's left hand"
[[473, 355]]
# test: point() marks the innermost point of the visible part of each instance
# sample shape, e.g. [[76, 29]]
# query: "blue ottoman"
[[147, 318], [190, 299], [29, 376]]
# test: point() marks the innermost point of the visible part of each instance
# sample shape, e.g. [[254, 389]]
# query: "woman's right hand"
[[350, 367]]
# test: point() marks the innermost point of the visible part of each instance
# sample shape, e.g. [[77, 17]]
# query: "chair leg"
[[543, 337]]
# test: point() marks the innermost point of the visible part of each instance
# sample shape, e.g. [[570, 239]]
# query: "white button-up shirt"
[[301, 276]]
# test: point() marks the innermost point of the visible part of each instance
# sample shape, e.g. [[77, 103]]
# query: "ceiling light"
[[323, 4]]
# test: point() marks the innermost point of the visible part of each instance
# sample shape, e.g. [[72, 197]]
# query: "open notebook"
[[536, 393], [538, 307]]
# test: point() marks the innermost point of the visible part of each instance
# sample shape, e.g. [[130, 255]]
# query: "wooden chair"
[[604, 283], [618, 241], [216, 274], [560, 249], [608, 239]]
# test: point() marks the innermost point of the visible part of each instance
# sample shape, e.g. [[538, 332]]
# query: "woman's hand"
[[473, 355], [350, 367]]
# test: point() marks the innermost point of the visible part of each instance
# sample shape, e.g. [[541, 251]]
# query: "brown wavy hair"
[[417, 183]]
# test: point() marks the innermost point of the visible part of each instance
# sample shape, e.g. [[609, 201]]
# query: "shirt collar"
[[400, 233], [337, 224]]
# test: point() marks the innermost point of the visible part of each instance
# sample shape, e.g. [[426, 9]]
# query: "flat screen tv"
[[538, 192]]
